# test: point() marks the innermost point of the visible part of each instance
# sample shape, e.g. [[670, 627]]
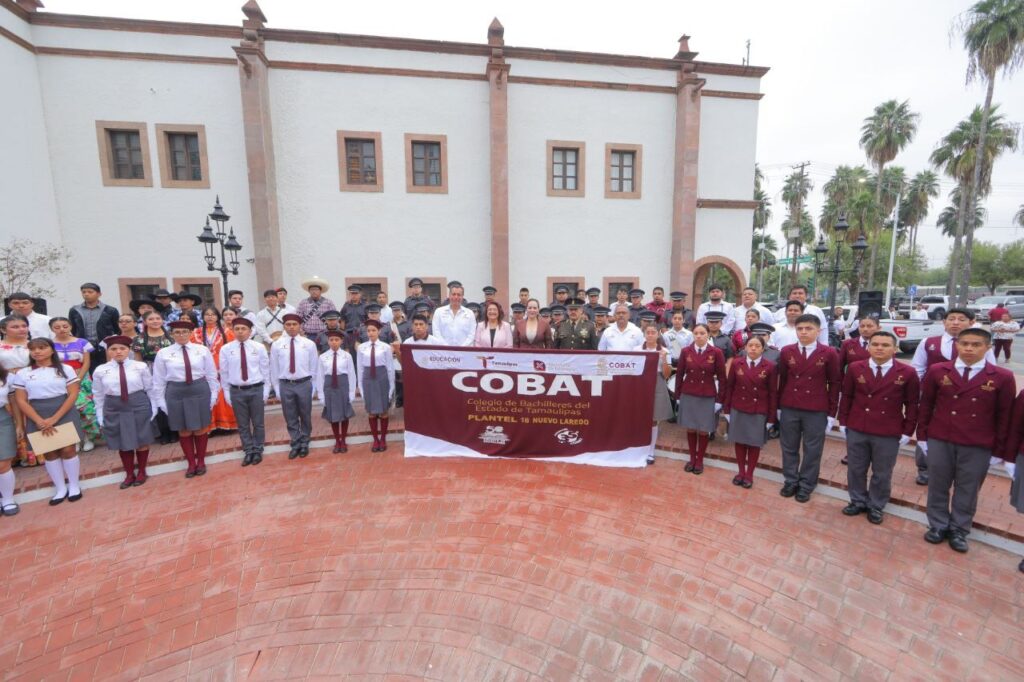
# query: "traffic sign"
[[912, 290], [803, 260]]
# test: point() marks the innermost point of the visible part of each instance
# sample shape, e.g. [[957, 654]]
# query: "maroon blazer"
[[881, 407], [850, 352], [753, 392], [542, 340], [812, 384], [1016, 438], [696, 373], [975, 414]]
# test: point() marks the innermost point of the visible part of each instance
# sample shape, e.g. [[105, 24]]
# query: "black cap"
[[163, 293], [354, 288], [475, 307], [761, 328], [545, 311], [373, 308], [560, 288], [636, 292], [490, 290], [396, 304], [574, 303], [421, 308], [415, 282], [558, 309], [677, 295], [518, 308], [649, 315], [714, 316], [593, 291], [602, 310], [330, 315]]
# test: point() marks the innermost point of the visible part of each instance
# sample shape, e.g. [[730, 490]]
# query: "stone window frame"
[[163, 148], [581, 168], [103, 129], [638, 152], [410, 138], [343, 184]]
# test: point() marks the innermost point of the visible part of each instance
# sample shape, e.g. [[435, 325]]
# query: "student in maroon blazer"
[[964, 420], [700, 390], [750, 399], [1013, 447], [853, 350], [877, 414], [809, 382]]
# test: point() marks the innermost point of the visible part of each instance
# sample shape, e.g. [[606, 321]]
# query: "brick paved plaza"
[[384, 568]]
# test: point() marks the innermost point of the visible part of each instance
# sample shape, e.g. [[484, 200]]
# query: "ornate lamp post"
[[229, 246], [822, 267]]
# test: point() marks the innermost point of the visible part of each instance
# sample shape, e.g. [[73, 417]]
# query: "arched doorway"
[[716, 270]]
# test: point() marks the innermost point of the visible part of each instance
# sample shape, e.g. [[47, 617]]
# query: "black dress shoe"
[[343, 449], [688, 467], [76, 497], [935, 536], [843, 460], [257, 458], [247, 460], [1021, 566], [922, 478], [788, 490], [303, 451], [802, 496], [958, 541], [57, 500], [337, 449], [293, 453], [747, 484], [852, 509], [875, 516], [698, 470], [737, 480]]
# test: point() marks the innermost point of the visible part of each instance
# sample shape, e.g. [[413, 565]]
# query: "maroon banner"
[[581, 405]]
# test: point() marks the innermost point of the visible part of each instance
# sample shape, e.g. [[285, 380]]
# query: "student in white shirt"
[[9, 431], [376, 371], [718, 304], [45, 392], [335, 383], [122, 390], [245, 379], [421, 332], [798, 292], [269, 322], [785, 331], [38, 324], [293, 360]]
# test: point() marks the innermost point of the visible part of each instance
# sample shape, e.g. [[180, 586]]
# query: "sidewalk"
[[994, 515]]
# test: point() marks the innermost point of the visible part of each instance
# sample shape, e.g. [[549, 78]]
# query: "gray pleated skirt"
[[375, 391], [188, 405], [337, 406], [8, 435], [127, 425], [1016, 492], [697, 413], [47, 407], [662, 404], [747, 429]]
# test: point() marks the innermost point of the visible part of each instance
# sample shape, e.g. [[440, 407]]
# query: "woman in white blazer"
[[494, 331]]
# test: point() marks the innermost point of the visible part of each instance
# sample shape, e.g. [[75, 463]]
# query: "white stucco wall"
[[339, 234], [725, 232], [142, 231], [376, 57], [132, 41], [728, 143], [591, 72]]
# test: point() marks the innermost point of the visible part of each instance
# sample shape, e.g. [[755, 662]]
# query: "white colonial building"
[[368, 159]]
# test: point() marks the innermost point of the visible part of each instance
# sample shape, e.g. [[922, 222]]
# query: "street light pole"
[[892, 249], [229, 246], [821, 251]]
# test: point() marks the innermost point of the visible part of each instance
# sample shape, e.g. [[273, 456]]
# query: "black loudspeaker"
[[870, 303]]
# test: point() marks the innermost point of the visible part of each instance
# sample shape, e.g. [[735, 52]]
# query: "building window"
[[132, 288], [182, 153], [566, 168], [622, 171], [206, 288], [436, 288], [426, 159], [124, 154], [360, 163], [371, 287], [574, 284], [613, 284]]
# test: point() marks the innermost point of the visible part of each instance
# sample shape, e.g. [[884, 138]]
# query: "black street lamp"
[[228, 244], [822, 267]]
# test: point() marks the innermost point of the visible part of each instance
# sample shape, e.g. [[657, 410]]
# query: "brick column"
[[259, 149], [684, 188], [497, 79]]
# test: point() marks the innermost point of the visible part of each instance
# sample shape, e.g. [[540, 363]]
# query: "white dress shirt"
[[431, 340], [106, 382], [384, 360], [919, 315], [809, 309], [268, 321], [739, 313], [386, 315], [920, 360], [677, 340], [325, 368], [39, 326], [40, 383], [455, 328], [169, 365], [873, 366], [306, 358], [257, 366], [614, 338], [728, 324], [784, 335], [960, 365], [13, 358]]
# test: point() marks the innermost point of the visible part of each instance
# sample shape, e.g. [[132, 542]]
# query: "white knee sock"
[[71, 467], [1011, 468], [56, 471], [654, 435], [7, 487]]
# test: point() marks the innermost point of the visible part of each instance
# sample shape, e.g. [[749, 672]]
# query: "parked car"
[[910, 332], [1015, 304], [936, 306]]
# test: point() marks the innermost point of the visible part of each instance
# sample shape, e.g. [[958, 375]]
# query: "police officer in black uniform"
[[354, 310], [416, 297]]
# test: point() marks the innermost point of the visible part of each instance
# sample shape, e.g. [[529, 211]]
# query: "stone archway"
[[702, 271]]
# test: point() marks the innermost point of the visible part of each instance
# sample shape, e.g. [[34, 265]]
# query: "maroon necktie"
[[804, 349], [124, 382], [751, 365], [334, 371], [953, 352], [188, 364], [291, 358], [245, 362], [878, 372], [373, 361], [967, 374]]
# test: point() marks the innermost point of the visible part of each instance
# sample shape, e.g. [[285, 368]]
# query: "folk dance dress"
[[72, 354], [222, 416]]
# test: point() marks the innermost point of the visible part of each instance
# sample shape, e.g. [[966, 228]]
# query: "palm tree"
[[993, 32], [794, 192], [955, 156], [1018, 217], [950, 215], [840, 190], [762, 216], [922, 189], [889, 129]]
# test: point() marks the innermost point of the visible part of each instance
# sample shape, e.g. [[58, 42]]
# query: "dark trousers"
[[297, 406], [864, 450], [1004, 346], [247, 402], [921, 460], [808, 428], [963, 468], [399, 390]]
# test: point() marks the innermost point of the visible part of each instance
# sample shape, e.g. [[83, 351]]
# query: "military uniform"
[[724, 344], [579, 335]]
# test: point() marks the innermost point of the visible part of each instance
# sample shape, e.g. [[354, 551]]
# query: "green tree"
[[955, 156], [1018, 217], [922, 189], [948, 219], [795, 190], [885, 133], [987, 265], [847, 183], [762, 216], [993, 33]]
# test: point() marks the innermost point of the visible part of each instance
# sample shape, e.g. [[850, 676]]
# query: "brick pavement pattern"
[[372, 566]]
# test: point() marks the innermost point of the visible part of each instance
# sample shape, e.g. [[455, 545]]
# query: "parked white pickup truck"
[[909, 332]]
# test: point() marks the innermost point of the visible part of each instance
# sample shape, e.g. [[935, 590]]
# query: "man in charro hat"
[[310, 309]]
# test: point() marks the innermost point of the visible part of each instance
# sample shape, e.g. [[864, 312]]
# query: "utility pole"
[[746, 62], [794, 231]]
